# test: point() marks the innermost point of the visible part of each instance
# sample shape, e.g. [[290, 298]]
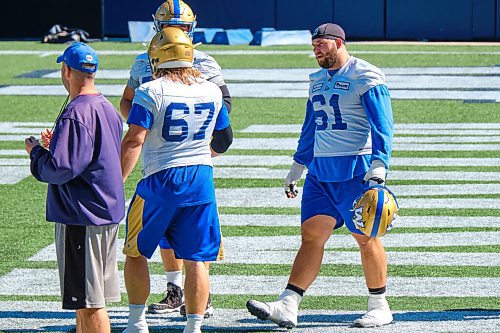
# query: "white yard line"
[[265, 173], [235, 245], [274, 197], [267, 90], [291, 144], [34, 282], [273, 160], [402, 221], [415, 128]]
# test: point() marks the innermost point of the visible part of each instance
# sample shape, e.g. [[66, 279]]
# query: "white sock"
[[290, 296], [193, 324], [175, 277], [137, 317], [377, 302]]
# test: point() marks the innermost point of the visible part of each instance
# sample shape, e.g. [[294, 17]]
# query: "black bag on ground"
[[60, 34]]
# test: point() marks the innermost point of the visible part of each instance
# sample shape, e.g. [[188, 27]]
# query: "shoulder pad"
[[318, 75]]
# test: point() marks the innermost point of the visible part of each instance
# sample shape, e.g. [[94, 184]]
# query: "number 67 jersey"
[[180, 119]]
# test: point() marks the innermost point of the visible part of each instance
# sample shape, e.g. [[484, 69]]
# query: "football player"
[[346, 141], [178, 121], [174, 13]]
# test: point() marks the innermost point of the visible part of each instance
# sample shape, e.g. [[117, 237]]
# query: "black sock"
[[298, 290], [376, 291]]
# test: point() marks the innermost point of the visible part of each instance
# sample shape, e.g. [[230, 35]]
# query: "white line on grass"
[[438, 127], [235, 245], [275, 197], [34, 282], [420, 77], [264, 90], [402, 221], [13, 174], [353, 258], [265, 173], [273, 160], [291, 144]]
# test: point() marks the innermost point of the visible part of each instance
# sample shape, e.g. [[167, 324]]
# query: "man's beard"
[[329, 59]]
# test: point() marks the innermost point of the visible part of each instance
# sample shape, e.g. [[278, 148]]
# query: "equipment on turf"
[[375, 211], [174, 12], [170, 48]]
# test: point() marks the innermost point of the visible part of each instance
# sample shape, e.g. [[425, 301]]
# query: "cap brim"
[[60, 58]]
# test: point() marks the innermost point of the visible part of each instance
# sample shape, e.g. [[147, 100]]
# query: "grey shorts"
[[88, 270]]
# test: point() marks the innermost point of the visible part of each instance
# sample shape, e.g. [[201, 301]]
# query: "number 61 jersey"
[[180, 119], [342, 124]]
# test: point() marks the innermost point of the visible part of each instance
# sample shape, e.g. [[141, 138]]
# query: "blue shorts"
[[192, 231], [331, 198]]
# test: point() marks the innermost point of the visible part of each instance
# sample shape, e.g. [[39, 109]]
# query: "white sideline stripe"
[[402, 221], [273, 160], [432, 161], [40, 316], [462, 132], [234, 245], [296, 128], [291, 144], [353, 258], [13, 152], [274, 197], [10, 175], [264, 90], [23, 127], [394, 79], [34, 282], [399, 191], [265, 173], [13, 161]]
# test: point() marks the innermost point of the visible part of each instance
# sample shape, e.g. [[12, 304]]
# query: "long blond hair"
[[185, 75]]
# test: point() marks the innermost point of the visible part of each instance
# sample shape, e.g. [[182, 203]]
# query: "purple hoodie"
[[83, 165]]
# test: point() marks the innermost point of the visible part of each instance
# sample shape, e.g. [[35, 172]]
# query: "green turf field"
[[24, 232]]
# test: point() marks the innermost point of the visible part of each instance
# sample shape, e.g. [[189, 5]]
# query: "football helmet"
[[375, 211], [174, 12], [170, 48]]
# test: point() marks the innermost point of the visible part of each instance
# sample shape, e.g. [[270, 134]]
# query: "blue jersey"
[[348, 122]]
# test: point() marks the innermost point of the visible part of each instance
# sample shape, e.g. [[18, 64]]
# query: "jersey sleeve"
[[305, 150], [377, 103], [143, 109]]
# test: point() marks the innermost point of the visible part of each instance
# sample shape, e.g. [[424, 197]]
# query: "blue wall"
[[362, 19]]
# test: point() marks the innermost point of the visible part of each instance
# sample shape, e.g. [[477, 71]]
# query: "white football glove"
[[294, 174], [376, 174]]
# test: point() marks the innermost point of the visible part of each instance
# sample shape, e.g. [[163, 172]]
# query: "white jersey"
[[141, 70], [183, 119], [342, 125]]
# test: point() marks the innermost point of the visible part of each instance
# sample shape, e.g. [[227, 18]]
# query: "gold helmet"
[[174, 12], [375, 211], [170, 48]]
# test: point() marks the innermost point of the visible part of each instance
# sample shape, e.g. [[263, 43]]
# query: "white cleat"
[[280, 312], [379, 313]]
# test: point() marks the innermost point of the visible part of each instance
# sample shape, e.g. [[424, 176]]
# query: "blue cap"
[[81, 57]]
